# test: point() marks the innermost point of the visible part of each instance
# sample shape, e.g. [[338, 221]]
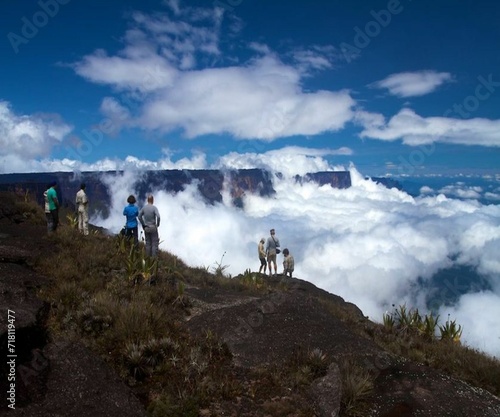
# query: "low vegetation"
[[130, 309], [407, 333]]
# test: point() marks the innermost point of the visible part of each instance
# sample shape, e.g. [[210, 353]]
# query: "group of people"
[[268, 250], [149, 217], [52, 205]]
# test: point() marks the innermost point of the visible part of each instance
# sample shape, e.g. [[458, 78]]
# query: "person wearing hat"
[[262, 255], [81, 202], [272, 248], [53, 205]]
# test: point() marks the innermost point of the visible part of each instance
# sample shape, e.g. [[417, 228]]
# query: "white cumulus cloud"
[[23, 137], [410, 84], [415, 130], [171, 68]]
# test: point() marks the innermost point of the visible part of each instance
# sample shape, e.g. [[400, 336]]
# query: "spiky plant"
[[153, 352], [149, 268], [174, 359], [451, 331], [121, 243], [415, 320], [181, 299], [167, 346], [317, 361], [135, 361], [303, 376], [72, 220], [219, 269], [133, 263], [430, 325], [389, 321], [408, 320], [357, 386]]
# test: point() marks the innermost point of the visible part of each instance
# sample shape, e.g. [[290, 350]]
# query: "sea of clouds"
[[374, 246]]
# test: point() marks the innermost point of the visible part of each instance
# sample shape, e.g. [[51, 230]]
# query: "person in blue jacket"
[[131, 212]]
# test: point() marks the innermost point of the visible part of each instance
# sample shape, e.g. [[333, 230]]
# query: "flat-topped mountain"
[[210, 183]]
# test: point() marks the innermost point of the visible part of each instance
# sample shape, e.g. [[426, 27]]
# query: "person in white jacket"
[[82, 203]]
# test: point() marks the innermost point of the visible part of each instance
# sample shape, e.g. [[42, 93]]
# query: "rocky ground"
[[53, 377], [59, 377]]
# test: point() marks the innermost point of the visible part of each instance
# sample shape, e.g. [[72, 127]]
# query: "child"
[[288, 263]]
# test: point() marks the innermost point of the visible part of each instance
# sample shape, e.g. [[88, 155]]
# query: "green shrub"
[[357, 386]]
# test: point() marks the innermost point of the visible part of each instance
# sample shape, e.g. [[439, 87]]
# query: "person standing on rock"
[[131, 212], [288, 263], [149, 216], [48, 215], [53, 205], [262, 255], [272, 249], [82, 210]]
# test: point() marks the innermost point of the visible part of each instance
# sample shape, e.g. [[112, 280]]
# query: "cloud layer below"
[[374, 246]]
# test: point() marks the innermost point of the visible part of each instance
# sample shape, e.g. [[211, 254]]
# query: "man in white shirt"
[[82, 210]]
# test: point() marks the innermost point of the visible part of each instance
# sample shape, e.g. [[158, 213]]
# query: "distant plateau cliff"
[[210, 183]]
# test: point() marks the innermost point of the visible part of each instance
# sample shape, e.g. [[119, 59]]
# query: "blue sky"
[[393, 87]]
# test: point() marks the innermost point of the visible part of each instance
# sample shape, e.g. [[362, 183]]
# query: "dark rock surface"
[[54, 377], [77, 383], [268, 329], [327, 392], [273, 327]]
